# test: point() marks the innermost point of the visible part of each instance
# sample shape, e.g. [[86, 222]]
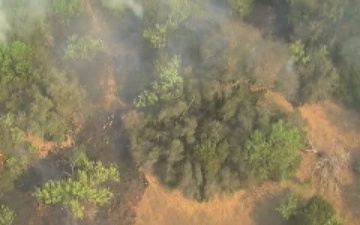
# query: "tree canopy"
[[317, 212], [207, 130], [199, 88], [7, 215], [83, 48], [67, 7], [84, 185], [160, 23], [41, 98], [274, 155]]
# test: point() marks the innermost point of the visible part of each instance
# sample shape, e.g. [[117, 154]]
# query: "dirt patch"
[[44, 147], [94, 21], [280, 100], [103, 139], [109, 87]]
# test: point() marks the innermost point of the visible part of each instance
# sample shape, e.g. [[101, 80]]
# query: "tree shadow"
[[264, 210], [52, 167], [345, 119], [351, 193], [274, 20]]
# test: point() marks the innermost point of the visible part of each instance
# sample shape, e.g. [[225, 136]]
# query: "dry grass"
[[44, 147], [160, 206], [332, 171], [333, 131], [109, 87], [329, 123], [280, 100]]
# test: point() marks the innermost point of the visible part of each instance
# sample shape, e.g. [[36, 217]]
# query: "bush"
[[274, 155], [297, 48], [314, 21], [168, 86], [42, 100], [241, 7], [83, 48], [317, 212], [7, 215], [84, 186], [190, 126], [67, 7], [288, 207], [166, 17], [318, 78]]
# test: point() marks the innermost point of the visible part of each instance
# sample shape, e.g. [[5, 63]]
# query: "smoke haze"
[[135, 7], [4, 25]]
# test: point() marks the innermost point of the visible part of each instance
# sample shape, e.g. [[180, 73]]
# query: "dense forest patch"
[[210, 128], [209, 96]]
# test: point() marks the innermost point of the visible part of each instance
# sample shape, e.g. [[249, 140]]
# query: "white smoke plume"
[[135, 7], [4, 25]]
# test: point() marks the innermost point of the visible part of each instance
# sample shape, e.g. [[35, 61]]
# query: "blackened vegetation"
[[205, 126], [110, 145], [172, 87]]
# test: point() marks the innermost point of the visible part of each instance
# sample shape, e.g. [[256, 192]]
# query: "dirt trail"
[[107, 80], [94, 21], [326, 122], [109, 87]]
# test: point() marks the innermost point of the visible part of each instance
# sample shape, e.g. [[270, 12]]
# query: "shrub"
[[83, 48], [7, 215], [317, 212], [274, 155], [288, 206], [241, 7], [83, 186]]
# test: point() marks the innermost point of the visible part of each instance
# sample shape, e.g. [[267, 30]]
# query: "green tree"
[[349, 70], [41, 99], [274, 155], [85, 185], [67, 7], [241, 7], [314, 21], [11, 135], [12, 138], [288, 206], [317, 212], [191, 124], [160, 23], [156, 35], [318, 78], [83, 48], [167, 86], [297, 48], [212, 155], [7, 216]]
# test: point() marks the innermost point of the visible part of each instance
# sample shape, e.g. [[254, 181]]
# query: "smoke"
[[135, 7], [4, 25], [22, 18]]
